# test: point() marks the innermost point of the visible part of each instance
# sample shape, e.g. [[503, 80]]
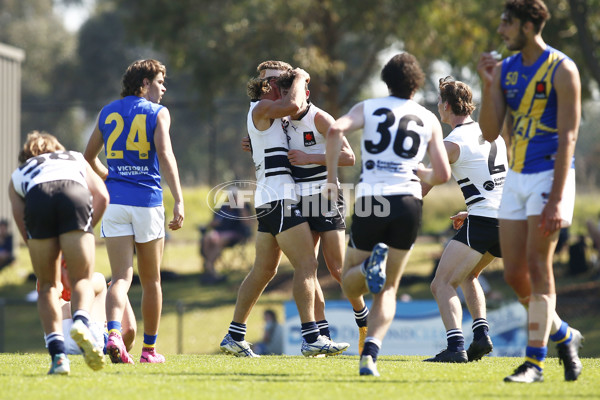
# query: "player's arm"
[[453, 152], [18, 209], [168, 165], [92, 150], [493, 104], [288, 105], [323, 121], [100, 197], [439, 172], [567, 85], [350, 122]]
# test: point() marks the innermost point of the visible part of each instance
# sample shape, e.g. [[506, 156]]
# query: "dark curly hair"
[[133, 79], [458, 95], [534, 11], [257, 87], [403, 75]]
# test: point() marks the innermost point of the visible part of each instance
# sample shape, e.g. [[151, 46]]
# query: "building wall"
[[10, 123]]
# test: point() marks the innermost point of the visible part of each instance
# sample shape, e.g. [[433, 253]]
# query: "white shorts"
[[526, 195], [144, 223]]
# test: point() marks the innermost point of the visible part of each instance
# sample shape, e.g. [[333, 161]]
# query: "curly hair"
[[403, 75], [271, 64], [458, 95], [534, 11], [258, 87], [133, 79], [39, 143]]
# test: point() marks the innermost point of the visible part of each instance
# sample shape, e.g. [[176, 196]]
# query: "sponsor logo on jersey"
[[309, 139], [540, 90]]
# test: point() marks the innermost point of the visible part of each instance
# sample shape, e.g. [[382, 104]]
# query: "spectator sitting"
[[228, 228], [272, 342], [6, 245]]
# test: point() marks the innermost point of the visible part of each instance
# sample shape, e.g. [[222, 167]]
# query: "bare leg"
[[44, 255], [120, 255], [149, 258]]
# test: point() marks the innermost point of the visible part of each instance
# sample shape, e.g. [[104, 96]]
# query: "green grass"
[[287, 377]]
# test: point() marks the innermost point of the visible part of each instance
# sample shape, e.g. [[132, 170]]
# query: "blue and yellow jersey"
[[531, 98], [127, 126]]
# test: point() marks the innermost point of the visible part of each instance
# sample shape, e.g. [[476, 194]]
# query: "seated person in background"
[[6, 245], [229, 227], [594, 232], [272, 341]]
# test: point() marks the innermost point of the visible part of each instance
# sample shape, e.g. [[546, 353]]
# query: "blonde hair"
[[39, 143]]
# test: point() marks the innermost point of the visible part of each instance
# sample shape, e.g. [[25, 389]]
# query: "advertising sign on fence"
[[417, 328]]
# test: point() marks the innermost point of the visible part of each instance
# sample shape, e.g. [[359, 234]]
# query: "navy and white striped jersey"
[[273, 170], [480, 169]]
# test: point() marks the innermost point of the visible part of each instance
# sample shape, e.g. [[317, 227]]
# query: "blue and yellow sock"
[[113, 327], [150, 341], [536, 356], [563, 335]]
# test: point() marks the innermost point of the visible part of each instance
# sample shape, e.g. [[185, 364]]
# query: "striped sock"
[[536, 356], [480, 328], [237, 331], [324, 328], [361, 316], [563, 335], [150, 340], [456, 340], [372, 346], [55, 342], [113, 327], [82, 315], [310, 331]]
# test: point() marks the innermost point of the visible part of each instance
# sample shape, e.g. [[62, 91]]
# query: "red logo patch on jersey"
[[540, 90], [309, 139]]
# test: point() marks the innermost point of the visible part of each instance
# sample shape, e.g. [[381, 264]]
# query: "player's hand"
[[550, 219], [459, 219], [329, 191], [177, 221], [246, 143], [298, 157], [485, 67], [301, 72]]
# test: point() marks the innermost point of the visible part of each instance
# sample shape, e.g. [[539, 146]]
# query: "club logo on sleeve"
[[309, 139], [540, 90]]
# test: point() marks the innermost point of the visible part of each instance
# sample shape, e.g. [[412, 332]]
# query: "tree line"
[[211, 48]]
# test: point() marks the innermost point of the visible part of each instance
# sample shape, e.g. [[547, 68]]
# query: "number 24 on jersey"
[[137, 131]]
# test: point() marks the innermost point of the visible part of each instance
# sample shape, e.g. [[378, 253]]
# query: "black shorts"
[[323, 214], [278, 216], [57, 207], [481, 234], [393, 220]]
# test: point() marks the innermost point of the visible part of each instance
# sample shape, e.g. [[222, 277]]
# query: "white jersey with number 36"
[[395, 138]]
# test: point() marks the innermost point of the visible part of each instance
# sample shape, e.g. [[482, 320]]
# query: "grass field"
[[286, 377]]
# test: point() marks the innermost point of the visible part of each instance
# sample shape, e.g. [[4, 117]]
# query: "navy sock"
[[237, 331], [480, 328], [310, 331], [361, 317], [82, 315], [56, 343], [456, 340], [324, 328], [370, 349]]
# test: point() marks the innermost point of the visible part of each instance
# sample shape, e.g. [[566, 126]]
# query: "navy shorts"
[[323, 214], [57, 207], [481, 234], [278, 216], [393, 220]]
